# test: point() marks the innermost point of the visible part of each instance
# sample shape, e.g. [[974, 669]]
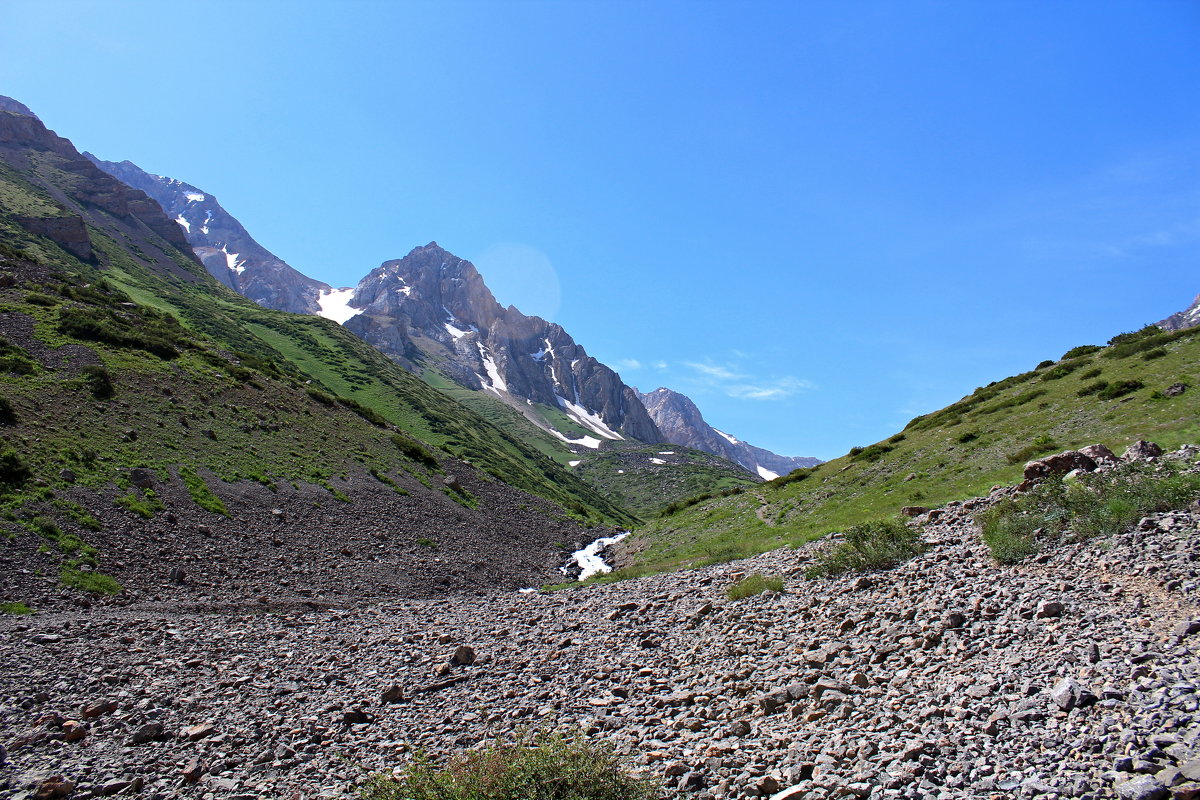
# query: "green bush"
[[144, 504], [1099, 504], [1157, 352], [1042, 444], [1092, 388], [1082, 350], [1091, 373], [544, 766], [321, 397], [414, 451], [15, 608], [754, 584], [369, 414], [13, 472], [880, 544], [15, 360], [1115, 390], [98, 381], [8, 414], [148, 331]]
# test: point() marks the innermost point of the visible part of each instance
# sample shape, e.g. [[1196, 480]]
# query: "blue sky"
[[816, 219]]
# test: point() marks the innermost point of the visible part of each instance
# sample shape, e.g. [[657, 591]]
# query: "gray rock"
[[1143, 787]]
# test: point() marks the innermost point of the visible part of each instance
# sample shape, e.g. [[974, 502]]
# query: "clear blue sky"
[[817, 219]]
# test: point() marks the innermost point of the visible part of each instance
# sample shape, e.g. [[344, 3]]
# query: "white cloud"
[[733, 381], [772, 390], [716, 371], [628, 363]]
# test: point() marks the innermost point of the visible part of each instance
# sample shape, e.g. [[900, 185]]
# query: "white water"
[[589, 560]]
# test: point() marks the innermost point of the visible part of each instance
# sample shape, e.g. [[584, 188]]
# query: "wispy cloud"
[[772, 390], [733, 380], [716, 371], [627, 363]]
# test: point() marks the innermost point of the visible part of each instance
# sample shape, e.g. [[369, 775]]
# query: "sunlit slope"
[[1114, 395]]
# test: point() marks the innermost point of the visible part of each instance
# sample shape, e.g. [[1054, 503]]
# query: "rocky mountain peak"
[[16, 107], [682, 423], [1188, 318]]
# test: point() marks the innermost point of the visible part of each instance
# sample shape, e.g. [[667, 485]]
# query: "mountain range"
[[431, 310]]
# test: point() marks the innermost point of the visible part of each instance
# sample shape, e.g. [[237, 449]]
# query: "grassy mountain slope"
[[646, 478], [135, 259], [1113, 395]]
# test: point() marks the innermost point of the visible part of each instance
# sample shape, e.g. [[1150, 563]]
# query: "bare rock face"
[[432, 307], [682, 423], [88, 197], [1187, 318], [227, 250]]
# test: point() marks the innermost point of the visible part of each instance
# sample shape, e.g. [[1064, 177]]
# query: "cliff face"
[[433, 307], [80, 197], [227, 250], [682, 423]]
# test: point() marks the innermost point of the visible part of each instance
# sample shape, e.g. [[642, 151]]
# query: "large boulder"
[[1059, 464], [1141, 450]]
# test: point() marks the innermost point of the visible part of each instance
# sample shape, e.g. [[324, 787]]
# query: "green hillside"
[[1112, 395], [152, 285]]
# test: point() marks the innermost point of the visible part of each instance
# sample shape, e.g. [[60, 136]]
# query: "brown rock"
[[1141, 450], [1059, 464], [53, 788]]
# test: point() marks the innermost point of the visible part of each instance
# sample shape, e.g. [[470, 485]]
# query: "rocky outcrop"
[[227, 250], [1188, 318], [681, 423], [1073, 674], [81, 191], [432, 307]]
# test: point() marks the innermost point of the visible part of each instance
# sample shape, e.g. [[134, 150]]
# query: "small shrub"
[[1092, 388], [854, 451], [8, 414], [38, 299], [1042, 444], [414, 451], [754, 584], [1082, 350], [13, 472], [98, 381], [1044, 364], [1133, 336], [542, 766], [1094, 505], [1013, 402], [1091, 373], [15, 360], [969, 436], [872, 453], [1157, 352], [1115, 390], [872, 545], [425, 541], [1062, 370], [321, 397], [369, 414]]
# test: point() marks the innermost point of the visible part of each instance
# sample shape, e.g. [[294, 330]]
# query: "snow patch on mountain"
[[727, 437], [765, 473], [195, 197], [587, 419], [497, 381], [187, 226], [335, 305]]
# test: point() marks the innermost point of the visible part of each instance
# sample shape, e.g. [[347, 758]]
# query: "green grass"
[[1012, 427], [754, 584], [1099, 504], [97, 582], [875, 545], [200, 492], [15, 608], [542, 766]]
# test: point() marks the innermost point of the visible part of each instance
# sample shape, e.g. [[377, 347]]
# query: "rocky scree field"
[[1071, 673]]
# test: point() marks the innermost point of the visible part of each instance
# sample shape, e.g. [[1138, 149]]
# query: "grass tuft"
[[754, 584], [880, 544], [543, 766]]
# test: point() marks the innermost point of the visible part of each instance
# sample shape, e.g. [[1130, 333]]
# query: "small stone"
[[1141, 450], [1049, 608], [356, 716], [53, 788], [149, 732], [392, 694], [98, 708], [192, 771], [463, 656], [197, 732]]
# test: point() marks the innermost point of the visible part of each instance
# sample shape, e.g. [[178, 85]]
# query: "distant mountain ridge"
[[432, 309], [682, 423], [227, 250]]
